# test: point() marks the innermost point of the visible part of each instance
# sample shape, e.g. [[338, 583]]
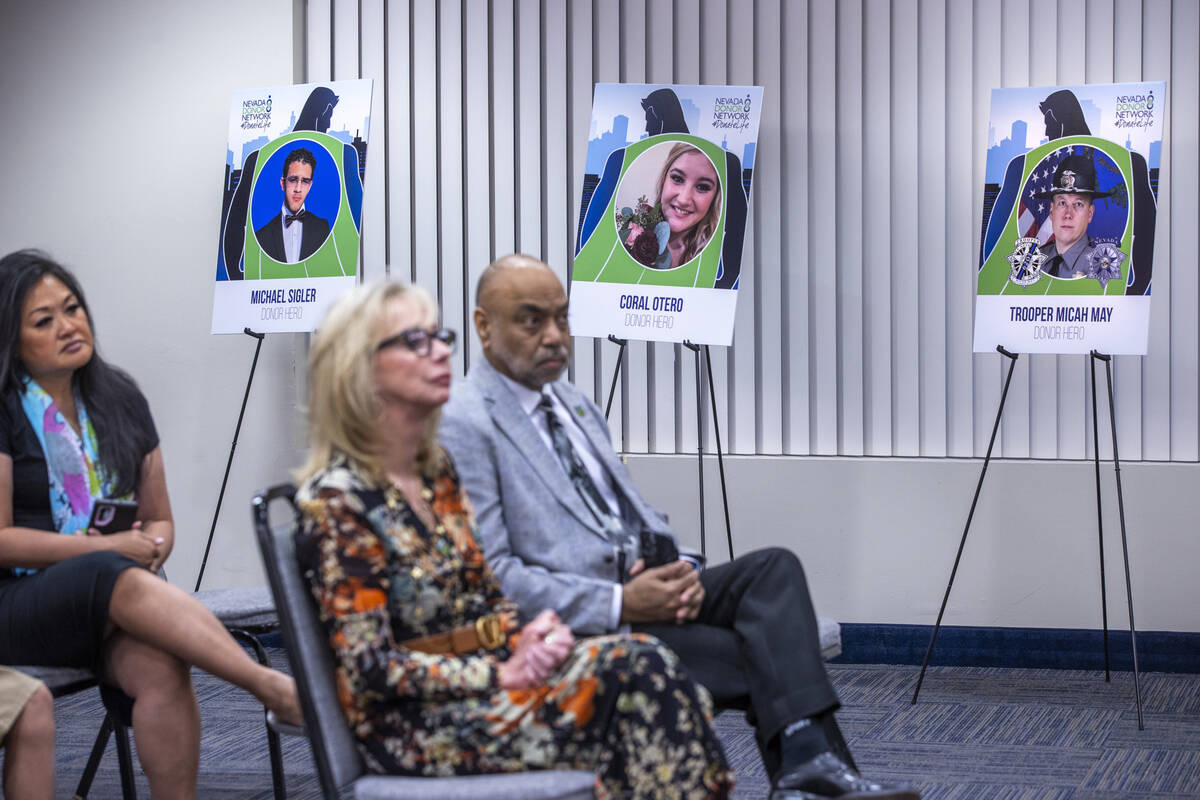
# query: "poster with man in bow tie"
[[291, 214], [1069, 202]]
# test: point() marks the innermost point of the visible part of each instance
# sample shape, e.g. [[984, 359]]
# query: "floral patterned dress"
[[620, 706]]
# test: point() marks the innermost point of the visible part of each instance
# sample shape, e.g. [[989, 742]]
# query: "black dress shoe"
[[828, 776]]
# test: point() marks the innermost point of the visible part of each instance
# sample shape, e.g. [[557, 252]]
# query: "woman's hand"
[[543, 646], [138, 544], [549, 641], [513, 674]]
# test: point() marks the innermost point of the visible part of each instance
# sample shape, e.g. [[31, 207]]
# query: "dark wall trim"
[[1053, 648]]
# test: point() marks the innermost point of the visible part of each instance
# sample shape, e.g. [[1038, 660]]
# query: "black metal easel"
[[1100, 520], [970, 515], [1112, 417], [237, 430], [1120, 505], [700, 429], [612, 389]]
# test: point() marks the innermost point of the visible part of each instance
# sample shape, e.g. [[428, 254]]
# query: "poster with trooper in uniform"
[[1066, 261], [291, 211]]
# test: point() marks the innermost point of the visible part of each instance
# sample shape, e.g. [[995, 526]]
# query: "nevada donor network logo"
[[256, 113], [1135, 110], [732, 112]]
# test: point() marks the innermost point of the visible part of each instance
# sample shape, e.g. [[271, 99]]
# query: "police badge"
[[1026, 261], [1104, 264]]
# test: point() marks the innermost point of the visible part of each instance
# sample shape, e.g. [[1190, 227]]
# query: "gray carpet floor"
[[976, 734]]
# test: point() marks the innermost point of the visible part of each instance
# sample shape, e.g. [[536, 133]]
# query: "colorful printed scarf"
[[76, 480]]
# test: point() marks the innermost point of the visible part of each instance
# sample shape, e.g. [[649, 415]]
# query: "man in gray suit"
[[563, 527]]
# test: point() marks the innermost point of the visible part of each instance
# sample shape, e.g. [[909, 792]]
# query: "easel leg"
[[974, 501], [700, 431], [612, 390], [1112, 416], [1100, 524], [712, 393], [695, 348], [236, 431]]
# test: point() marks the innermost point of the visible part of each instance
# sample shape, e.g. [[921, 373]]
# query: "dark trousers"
[[755, 646]]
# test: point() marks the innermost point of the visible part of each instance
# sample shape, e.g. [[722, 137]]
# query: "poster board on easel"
[[288, 243], [1070, 197], [663, 215]]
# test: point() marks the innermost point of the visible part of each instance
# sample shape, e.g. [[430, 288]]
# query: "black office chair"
[[63, 681], [338, 762], [248, 614]]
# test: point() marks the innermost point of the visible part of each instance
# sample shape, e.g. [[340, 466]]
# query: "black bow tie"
[[297, 217]]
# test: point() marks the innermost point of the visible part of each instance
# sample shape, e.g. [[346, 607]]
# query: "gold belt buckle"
[[491, 635]]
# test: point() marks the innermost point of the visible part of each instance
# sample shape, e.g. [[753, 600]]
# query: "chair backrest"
[[338, 760]]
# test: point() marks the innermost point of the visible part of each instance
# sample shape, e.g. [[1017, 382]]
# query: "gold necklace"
[[421, 507]]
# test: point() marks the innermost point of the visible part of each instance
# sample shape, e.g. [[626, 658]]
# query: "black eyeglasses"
[[420, 340]]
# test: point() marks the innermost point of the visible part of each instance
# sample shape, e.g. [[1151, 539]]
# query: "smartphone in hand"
[[113, 516]]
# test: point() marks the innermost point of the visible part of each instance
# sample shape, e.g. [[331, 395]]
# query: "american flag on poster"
[[1033, 218]]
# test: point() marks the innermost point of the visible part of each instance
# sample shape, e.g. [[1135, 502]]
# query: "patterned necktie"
[[577, 471]]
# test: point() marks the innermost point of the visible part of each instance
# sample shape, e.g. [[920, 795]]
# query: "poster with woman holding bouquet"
[[662, 220], [670, 227]]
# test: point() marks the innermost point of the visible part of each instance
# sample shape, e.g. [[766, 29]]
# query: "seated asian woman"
[[73, 430]]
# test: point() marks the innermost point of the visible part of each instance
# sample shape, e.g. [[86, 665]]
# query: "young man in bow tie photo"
[[294, 233]]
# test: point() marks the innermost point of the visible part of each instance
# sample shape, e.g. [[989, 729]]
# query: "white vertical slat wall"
[[854, 326]]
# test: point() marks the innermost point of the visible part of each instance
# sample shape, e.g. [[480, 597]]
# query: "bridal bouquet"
[[644, 232]]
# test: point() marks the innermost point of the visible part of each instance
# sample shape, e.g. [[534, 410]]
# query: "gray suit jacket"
[[541, 541]]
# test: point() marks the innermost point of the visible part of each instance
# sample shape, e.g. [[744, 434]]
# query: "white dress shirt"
[[292, 234]]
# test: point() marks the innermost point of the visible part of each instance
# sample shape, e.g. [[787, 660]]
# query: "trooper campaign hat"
[[1076, 174]]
